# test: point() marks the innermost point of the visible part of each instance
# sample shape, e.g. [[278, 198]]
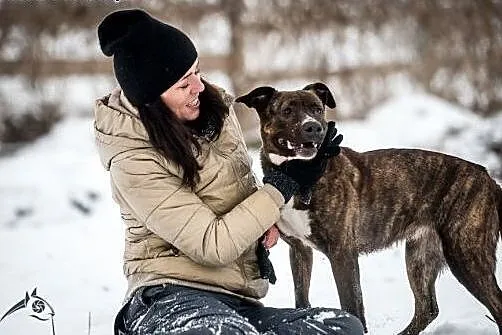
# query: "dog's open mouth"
[[305, 150]]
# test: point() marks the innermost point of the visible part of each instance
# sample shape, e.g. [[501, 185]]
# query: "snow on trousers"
[[171, 309]]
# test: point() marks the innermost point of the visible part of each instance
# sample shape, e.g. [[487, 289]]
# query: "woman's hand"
[[271, 237]]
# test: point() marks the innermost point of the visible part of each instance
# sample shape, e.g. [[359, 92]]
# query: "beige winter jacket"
[[204, 239]]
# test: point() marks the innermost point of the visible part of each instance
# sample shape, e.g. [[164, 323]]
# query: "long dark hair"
[[176, 140]]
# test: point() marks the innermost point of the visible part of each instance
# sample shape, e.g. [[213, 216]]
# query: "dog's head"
[[292, 123]]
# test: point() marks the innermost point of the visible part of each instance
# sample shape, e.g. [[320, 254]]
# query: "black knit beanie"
[[149, 56]]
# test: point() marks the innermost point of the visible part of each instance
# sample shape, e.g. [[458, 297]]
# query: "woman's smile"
[[183, 97]]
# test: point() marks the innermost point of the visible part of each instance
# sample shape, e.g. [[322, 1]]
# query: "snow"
[[61, 232]]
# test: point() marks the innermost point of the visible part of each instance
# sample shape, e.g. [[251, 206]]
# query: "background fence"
[[365, 50]]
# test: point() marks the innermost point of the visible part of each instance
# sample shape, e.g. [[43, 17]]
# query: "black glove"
[[307, 173], [285, 184], [299, 175], [264, 263]]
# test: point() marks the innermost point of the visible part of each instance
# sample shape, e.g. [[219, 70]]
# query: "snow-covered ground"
[[61, 232]]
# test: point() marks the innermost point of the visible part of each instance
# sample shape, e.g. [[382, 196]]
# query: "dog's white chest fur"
[[295, 223]]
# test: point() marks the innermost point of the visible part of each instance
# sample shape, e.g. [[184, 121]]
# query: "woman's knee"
[[220, 329], [344, 323], [306, 321], [223, 324]]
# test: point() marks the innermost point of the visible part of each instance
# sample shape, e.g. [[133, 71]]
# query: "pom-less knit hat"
[[149, 56]]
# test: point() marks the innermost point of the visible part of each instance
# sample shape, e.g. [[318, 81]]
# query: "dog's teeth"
[[290, 146]]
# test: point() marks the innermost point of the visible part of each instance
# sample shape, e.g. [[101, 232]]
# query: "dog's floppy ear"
[[323, 92], [257, 98]]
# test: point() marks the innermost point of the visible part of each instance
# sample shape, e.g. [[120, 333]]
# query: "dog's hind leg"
[[473, 263], [345, 268], [301, 258], [424, 260]]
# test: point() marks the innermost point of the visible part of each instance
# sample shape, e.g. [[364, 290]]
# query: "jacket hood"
[[117, 127]]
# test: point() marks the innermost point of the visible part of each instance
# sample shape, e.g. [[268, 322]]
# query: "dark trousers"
[[171, 309]]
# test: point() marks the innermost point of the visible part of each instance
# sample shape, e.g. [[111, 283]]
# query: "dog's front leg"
[[345, 267], [301, 258]]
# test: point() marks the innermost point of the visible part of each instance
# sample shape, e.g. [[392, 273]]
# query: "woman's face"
[[183, 97]]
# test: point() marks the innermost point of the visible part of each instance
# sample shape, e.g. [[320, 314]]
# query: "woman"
[[192, 208]]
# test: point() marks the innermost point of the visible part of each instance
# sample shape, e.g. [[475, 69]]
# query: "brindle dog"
[[447, 209]]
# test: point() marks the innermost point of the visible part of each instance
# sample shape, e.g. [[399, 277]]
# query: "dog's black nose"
[[312, 131]]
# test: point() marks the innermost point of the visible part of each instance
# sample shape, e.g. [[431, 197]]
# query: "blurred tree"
[[365, 50], [450, 48]]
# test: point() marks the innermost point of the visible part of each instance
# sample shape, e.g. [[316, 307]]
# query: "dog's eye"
[[287, 111], [318, 111]]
